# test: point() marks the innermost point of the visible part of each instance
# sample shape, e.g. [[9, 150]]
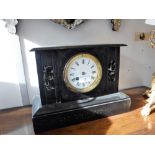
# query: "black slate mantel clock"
[[77, 83]]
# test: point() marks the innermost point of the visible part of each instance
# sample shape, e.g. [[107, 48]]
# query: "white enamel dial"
[[82, 73]]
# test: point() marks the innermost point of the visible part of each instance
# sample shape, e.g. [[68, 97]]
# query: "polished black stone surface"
[[60, 106]]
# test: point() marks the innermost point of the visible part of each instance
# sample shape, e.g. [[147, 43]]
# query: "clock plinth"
[[77, 83]]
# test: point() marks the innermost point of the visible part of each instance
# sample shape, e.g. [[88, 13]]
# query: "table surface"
[[19, 121]]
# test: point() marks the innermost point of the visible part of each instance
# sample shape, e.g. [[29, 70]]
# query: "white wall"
[[137, 59], [12, 82]]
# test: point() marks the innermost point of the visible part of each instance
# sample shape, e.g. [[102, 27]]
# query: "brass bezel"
[[94, 84]]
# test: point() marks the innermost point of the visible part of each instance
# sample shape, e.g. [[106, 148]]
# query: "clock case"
[[58, 103]]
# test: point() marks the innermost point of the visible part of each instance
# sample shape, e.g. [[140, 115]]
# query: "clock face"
[[82, 73]]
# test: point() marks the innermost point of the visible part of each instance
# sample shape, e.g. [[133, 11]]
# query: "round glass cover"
[[82, 73]]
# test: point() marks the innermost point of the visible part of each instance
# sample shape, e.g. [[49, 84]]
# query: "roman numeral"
[[83, 84], [92, 66], [93, 72], [71, 74], [82, 61], [73, 79], [88, 62], [92, 77], [72, 68], [78, 84], [77, 63]]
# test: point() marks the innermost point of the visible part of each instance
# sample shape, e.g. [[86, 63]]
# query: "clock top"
[[76, 46]]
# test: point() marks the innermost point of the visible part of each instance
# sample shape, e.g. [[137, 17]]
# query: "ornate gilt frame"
[[69, 23], [152, 38]]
